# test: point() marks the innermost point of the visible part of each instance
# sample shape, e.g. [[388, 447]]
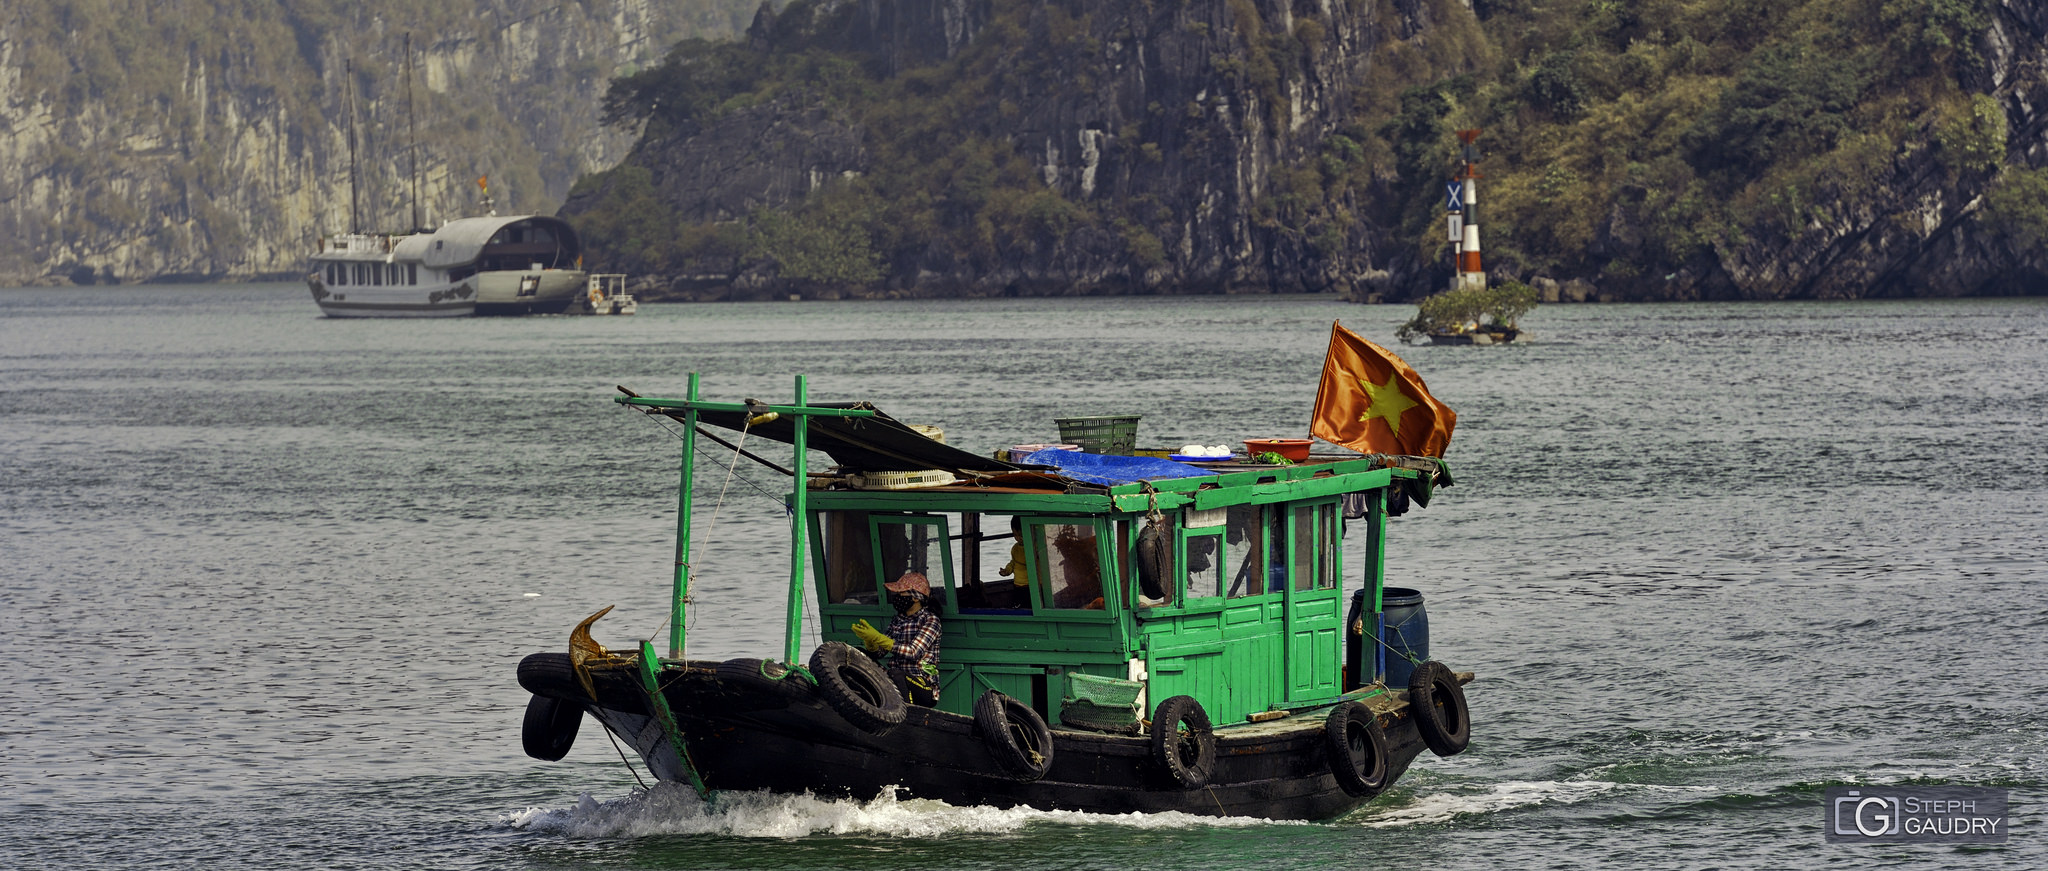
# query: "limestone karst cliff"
[[149, 140], [1642, 150], [982, 147]]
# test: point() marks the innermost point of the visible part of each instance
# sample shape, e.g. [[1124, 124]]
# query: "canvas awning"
[[879, 443]]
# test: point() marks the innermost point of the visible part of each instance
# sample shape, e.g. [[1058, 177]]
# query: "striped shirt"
[[917, 642]]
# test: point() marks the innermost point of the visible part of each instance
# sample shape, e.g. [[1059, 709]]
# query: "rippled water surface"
[[267, 575]]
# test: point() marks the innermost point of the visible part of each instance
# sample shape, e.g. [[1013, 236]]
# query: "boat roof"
[[462, 240], [877, 442]]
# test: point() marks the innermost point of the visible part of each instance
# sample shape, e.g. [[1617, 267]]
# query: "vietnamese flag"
[[1371, 402]]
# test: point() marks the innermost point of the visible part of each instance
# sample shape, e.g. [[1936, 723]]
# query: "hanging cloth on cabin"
[[1110, 469]]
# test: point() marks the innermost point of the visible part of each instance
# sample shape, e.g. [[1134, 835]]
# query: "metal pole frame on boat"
[[801, 413], [797, 525], [680, 596]]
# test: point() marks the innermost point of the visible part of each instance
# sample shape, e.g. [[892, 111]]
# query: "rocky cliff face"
[[203, 140], [1210, 146], [1915, 227], [1167, 127]]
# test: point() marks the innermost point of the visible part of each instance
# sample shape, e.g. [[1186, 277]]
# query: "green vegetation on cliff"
[[1696, 123], [1625, 141]]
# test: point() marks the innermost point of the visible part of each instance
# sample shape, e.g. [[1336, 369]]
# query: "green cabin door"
[[1314, 611]]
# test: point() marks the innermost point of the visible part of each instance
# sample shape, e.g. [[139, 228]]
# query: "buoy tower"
[[1464, 218]]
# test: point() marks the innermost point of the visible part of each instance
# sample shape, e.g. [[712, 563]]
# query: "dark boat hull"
[[758, 735]]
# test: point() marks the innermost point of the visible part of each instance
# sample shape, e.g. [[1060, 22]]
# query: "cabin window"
[[1256, 565], [412, 273], [849, 561], [912, 545], [1315, 546], [1072, 564], [993, 577], [357, 270], [1205, 563]]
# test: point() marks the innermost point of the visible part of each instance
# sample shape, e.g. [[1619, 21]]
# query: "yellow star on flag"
[[1385, 401]]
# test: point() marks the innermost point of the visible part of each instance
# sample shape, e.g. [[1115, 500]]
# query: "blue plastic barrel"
[[1404, 626]]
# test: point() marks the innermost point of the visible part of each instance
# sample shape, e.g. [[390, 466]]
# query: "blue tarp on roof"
[[1109, 469]]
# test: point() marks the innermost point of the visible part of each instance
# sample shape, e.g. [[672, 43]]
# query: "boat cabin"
[[1225, 587]]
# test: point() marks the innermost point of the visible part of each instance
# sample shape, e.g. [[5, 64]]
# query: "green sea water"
[[267, 576]]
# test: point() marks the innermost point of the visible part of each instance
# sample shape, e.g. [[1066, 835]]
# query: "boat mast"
[[348, 71], [412, 132], [798, 525], [681, 592]]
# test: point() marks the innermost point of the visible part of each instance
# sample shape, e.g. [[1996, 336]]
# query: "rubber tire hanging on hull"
[[548, 673], [550, 727], [1187, 755], [1357, 749], [1015, 734], [1437, 703], [767, 676], [857, 688]]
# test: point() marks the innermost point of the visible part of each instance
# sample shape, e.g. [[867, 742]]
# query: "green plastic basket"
[[1112, 434], [1104, 704]]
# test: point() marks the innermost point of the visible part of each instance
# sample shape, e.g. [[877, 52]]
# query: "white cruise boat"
[[523, 264]]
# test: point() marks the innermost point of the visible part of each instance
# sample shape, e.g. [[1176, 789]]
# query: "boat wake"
[[674, 809], [1440, 807]]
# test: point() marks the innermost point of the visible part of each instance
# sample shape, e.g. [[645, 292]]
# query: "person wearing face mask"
[[909, 646]]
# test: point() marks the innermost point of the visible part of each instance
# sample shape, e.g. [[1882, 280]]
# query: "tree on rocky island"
[[1460, 310]]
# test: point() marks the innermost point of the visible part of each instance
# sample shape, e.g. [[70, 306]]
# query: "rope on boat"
[[662, 420], [622, 758], [1412, 660], [739, 450]]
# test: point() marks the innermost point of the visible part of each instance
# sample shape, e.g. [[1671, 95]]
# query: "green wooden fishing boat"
[[1180, 641]]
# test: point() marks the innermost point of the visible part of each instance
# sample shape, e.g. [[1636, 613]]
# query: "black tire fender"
[[550, 727], [857, 688], [765, 676], [1357, 749], [1437, 702], [1015, 735], [549, 674], [1183, 745]]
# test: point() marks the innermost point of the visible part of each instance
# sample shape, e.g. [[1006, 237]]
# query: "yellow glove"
[[874, 641]]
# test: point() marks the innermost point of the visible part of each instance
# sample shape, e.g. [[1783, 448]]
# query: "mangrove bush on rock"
[[1496, 309]]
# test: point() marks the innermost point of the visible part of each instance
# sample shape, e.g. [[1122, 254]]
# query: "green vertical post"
[[657, 704], [1376, 543], [799, 526], [1376, 571], [681, 593]]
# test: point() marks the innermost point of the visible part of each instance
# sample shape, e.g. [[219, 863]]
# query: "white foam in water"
[[1443, 806], [673, 809]]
